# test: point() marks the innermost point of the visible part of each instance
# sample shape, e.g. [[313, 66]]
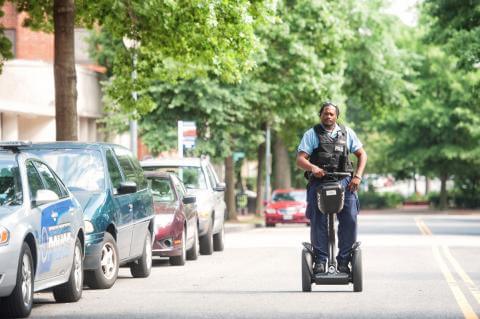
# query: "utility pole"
[[133, 44]]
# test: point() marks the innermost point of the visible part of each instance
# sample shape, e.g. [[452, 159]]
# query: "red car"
[[176, 219], [287, 207]]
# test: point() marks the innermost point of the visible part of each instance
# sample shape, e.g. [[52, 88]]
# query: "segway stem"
[[331, 241]]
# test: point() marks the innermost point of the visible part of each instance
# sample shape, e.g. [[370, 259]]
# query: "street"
[[415, 266]]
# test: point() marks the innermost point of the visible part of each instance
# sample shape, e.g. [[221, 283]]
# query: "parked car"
[[176, 219], [41, 233], [117, 204], [287, 207], [199, 177]]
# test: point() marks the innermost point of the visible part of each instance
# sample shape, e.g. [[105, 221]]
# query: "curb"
[[239, 227]]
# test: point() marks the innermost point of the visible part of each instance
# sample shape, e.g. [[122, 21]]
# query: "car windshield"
[[80, 169], [191, 176], [161, 189], [10, 183], [297, 196]]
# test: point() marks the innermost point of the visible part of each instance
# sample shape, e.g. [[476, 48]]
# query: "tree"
[[438, 134], [5, 45], [456, 24], [186, 37]]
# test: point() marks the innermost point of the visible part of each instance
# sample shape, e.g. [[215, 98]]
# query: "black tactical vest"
[[332, 153]]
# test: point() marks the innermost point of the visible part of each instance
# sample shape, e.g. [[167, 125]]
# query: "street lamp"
[[133, 44]]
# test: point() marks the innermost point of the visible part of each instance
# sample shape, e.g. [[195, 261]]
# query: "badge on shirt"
[[338, 148]]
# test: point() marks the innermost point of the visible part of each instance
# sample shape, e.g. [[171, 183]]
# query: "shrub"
[[374, 200]]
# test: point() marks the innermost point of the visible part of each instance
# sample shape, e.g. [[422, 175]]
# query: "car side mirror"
[[189, 199], [44, 196], [220, 187], [127, 187]]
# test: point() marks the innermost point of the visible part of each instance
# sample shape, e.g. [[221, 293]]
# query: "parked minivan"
[[117, 204]]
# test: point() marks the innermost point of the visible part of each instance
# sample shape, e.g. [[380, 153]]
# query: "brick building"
[[27, 105]]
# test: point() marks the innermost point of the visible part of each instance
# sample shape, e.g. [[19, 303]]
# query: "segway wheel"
[[357, 270], [306, 271]]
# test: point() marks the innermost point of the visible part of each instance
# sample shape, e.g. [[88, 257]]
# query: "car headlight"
[[4, 236], [89, 227], [163, 220], [271, 211], [204, 214]]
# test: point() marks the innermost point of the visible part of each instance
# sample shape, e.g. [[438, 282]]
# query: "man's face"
[[328, 117]]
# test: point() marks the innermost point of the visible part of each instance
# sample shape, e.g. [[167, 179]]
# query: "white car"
[[200, 179], [41, 233]]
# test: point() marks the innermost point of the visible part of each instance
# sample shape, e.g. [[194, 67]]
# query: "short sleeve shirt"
[[310, 140]]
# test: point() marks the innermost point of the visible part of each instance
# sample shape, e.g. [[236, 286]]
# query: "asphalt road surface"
[[415, 266]]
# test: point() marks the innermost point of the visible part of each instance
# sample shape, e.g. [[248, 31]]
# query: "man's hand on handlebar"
[[317, 171]]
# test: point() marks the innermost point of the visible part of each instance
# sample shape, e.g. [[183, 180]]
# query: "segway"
[[330, 198]]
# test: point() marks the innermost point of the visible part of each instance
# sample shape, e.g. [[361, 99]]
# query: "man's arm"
[[361, 163], [304, 163]]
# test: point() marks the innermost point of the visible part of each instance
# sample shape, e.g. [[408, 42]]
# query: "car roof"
[[7, 154], [68, 144], [173, 162]]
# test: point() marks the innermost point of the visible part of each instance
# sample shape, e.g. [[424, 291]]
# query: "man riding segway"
[[323, 151]]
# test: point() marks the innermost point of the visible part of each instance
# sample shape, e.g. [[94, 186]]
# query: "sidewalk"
[[243, 223], [419, 210]]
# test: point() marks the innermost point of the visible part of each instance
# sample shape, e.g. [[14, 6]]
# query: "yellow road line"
[[422, 226], [465, 277], [462, 301]]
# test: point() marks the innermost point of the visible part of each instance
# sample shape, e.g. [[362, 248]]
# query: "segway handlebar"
[[310, 176]]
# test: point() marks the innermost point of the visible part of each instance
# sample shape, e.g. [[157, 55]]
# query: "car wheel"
[[193, 252], [218, 239], [71, 291], [105, 276], [142, 267], [180, 260], [19, 303], [206, 241], [270, 225]]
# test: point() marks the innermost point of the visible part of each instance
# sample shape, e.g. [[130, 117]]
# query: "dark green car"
[[117, 204]]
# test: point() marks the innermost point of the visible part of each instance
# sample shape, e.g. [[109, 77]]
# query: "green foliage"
[[467, 190], [438, 133], [456, 23], [378, 67], [375, 200], [5, 44], [178, 40]]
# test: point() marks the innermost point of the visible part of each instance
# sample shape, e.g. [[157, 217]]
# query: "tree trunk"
[[427, 185], [282, 171], [415, 189], [230, 189], [64, 71], [443, 191], [260, 190]]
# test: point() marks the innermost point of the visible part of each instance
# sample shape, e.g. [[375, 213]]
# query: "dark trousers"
[[347, 224]]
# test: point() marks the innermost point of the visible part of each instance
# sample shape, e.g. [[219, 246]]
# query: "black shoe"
[[319, 267], [343, 267]]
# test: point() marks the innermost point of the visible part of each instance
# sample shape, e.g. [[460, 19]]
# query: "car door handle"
[[130, 207]]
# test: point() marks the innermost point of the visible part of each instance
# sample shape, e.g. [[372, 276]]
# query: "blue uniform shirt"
[[310, 140]]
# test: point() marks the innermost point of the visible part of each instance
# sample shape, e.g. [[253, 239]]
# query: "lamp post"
[[133, 44]]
